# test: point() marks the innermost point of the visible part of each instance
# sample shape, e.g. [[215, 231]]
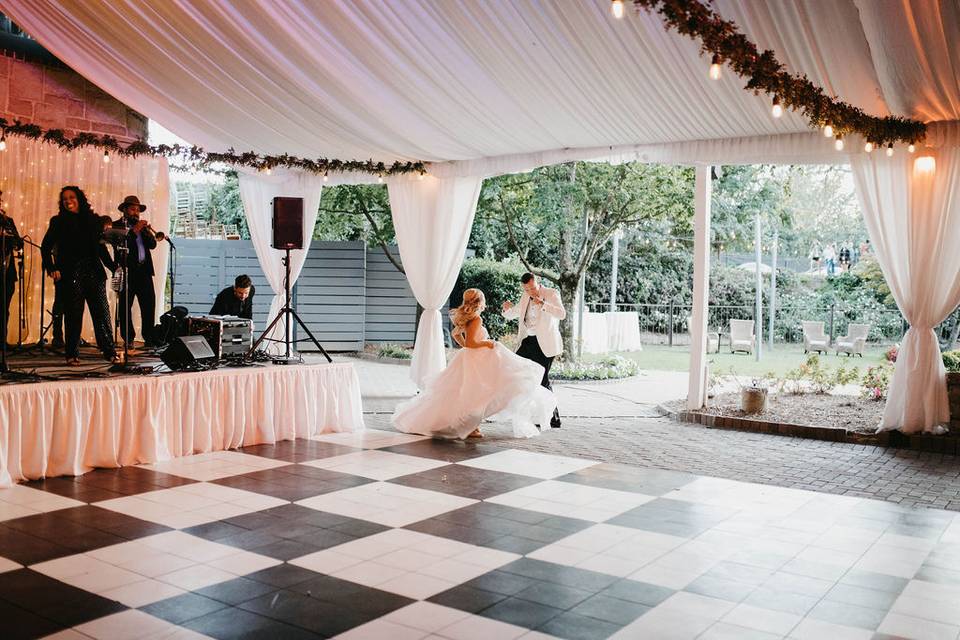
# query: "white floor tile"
[[127, 625], [479, 628], [528, 463], [377, 465], [382, 630], [140, 594], [572, 500], [9, 565], [426, 616], [811, 629], [244, 563], [385, 503], [369, 438], [776, 622], [196, 577], [896, 624]]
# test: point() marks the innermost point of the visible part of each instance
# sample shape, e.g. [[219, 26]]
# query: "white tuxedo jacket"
[[548, 325]]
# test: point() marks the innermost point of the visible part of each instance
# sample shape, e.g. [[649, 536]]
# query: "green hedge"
[[499, 281]]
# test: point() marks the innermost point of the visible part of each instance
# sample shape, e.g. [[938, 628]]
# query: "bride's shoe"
[[475, 434]]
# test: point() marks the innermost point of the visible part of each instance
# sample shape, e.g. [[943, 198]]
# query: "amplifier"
[[226, 335]]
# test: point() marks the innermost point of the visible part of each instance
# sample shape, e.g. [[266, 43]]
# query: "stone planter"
[[753, 399], [953, 393]]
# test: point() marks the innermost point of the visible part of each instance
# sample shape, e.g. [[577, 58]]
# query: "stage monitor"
[[187, 351], [287, 223]]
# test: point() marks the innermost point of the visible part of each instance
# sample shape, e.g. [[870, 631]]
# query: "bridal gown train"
[[479, 384]]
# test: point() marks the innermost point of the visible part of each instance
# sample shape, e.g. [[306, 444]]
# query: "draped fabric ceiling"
[[481, 88], [449, 81]]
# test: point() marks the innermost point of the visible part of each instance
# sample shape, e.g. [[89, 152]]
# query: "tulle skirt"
[[476, 385]]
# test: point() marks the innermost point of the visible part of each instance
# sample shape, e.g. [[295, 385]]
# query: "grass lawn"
[[779, 361]]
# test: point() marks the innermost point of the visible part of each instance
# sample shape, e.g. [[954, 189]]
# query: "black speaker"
[[287, 223], [186, 351]]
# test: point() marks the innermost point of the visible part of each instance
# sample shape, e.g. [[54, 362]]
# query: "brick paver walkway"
[[604, 423]]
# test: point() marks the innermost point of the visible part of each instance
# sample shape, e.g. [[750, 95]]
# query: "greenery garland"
[[196, 157], [721, 39]]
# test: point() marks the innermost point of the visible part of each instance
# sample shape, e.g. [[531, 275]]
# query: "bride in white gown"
[[482, 380]]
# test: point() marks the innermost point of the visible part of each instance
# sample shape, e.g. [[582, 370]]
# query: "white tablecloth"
[[68, 428], [623, 331], [594, 333]]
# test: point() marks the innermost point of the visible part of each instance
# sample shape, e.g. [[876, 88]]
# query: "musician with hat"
[[141, 240]]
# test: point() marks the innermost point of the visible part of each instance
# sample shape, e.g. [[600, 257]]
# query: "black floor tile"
[[237, 624], [571, 626], [113, 522], [299, 450], [612, 610], [554, 595], [638, 592], [283, 575], [522, 613], [215, 530], [467, 598], [622, 477], [184, 607], [235, 591], [286, 549], [52, 599], [466, 482], [20, 624], [870, 580], [559, 574], [501, 582]]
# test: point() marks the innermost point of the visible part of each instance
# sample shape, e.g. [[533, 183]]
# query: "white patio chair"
[[814, 339], [741, 336], [713, 337], [855, 341]]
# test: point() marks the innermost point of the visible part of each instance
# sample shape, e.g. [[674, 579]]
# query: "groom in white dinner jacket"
[[539, 313]]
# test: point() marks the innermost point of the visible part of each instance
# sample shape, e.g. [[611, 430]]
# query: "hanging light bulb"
[[616, 7], [421, 175], [890, 150], [868, 147], [715, 68], [380, 179], [828, 131], [777, 109], [106, 157], [838, 145], [268, 171], [3, 143], [911, 148], [326, 177]]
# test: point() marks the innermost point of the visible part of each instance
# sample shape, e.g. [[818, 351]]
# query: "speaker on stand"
[[287, 235]]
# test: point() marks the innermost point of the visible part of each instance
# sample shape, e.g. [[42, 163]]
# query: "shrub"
[[951, 360], [394, 351], [499, 281], [813, 376], [876, 381], [609, 368]]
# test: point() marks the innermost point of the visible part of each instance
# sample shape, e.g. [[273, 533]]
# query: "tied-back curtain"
[[911, 204], [32, 173], [257, 191], [432, 218]]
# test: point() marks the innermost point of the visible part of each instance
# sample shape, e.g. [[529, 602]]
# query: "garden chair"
[[741, 336], [814, 339], [855, 341]]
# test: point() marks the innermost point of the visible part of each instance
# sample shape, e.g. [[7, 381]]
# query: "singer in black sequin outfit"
[[74, 255]]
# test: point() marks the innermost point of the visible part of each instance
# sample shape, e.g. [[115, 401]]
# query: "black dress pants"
[[87, 284], [59, 296], [530, 349], [141, 289]]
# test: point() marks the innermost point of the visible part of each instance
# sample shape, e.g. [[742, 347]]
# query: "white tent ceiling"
[[441, 80]]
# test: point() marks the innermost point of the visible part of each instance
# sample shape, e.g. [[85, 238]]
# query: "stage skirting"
[[68, 428]]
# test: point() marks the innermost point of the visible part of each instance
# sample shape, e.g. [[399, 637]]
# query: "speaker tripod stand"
[[285, 314]]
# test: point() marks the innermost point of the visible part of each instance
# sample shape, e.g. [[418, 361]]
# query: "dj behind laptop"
[[227, 335]]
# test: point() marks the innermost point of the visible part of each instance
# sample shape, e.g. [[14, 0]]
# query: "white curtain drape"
[[911, 204], [31, 176], [256, 191], [432, 218]]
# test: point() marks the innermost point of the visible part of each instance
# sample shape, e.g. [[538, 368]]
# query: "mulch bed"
[[849, 413]]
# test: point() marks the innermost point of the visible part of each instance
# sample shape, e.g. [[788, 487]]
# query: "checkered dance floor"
[[382, 535]]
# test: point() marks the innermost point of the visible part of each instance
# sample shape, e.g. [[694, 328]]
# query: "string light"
[[420, 176], [3, 143], [106, 157], [380, 179], [777, 109], [828, 131], [616, 7], [326, 177], [911, 148], [838, 145], [715, 68], [890, 150], [868, 147]]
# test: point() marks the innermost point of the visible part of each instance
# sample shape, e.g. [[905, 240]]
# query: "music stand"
[[118, 238], [286, 311]]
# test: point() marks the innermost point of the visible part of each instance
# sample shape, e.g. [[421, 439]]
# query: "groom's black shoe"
[[555, 423]]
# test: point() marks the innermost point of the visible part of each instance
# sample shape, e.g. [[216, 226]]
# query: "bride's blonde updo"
[[471, 307]]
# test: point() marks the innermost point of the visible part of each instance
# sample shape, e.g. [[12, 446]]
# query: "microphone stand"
[[41, 342]]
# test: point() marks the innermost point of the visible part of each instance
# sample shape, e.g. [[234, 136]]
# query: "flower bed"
[[608, 368]]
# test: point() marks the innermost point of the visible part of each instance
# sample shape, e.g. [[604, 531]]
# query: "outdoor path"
[[616, 422]]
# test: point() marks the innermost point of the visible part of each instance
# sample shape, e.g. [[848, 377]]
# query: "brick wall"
[[56, 97]]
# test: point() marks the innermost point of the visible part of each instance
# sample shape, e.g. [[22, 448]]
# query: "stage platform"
[[87, 417]]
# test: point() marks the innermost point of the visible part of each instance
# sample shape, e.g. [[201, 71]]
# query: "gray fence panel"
[[346, 294], [330, 295], [391, 312]]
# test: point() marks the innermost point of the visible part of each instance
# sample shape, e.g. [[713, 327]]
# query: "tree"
[[357, 212], [556, 219]]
